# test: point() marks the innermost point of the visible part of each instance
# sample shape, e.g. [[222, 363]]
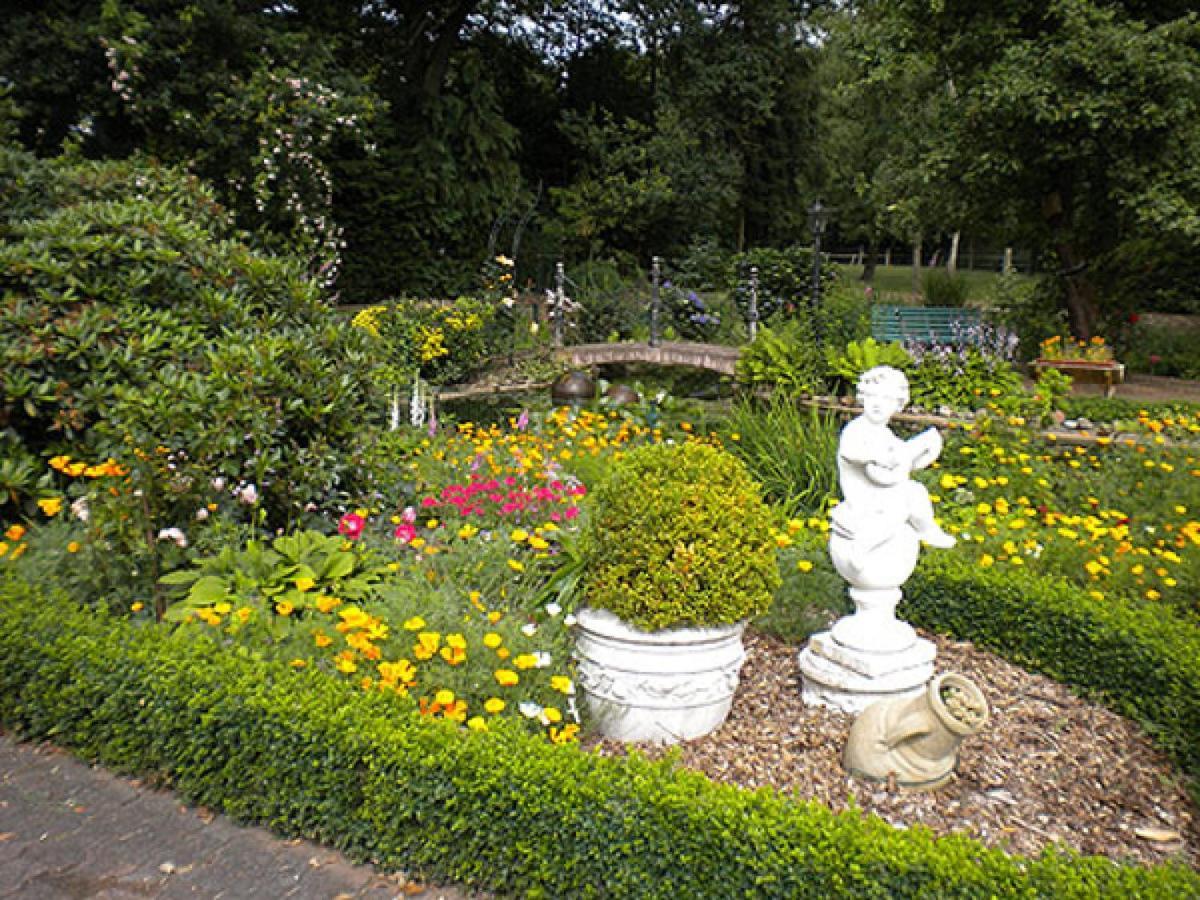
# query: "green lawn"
[[894, 283]]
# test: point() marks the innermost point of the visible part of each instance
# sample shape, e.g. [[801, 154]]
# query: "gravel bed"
[[1048, 768]]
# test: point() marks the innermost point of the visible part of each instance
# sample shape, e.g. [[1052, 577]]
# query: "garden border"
[[307, 755]]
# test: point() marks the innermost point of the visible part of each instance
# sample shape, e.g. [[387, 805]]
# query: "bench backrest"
[[925, 324]]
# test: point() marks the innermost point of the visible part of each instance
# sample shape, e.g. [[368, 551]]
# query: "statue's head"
[[884, 381]]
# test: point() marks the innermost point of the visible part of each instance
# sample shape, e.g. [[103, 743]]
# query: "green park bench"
[[925, 324]]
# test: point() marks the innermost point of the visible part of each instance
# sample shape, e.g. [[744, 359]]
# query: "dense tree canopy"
[[399, 145]]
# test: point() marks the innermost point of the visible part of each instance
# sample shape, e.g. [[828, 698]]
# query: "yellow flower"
[[51, 506], [305, 583], [516, 565], [476, 723], [284, 608], [539, 543], [986, 560], [327, 604], [138, 607], [453, 655], [298, 664], [73, 547], [507, 677], [15, 532], [804, 565], [562, 684], [491, 640], [467, 532], [416, 623], [58, 463], [244, 614], [494, 705], [525, 661], [518, 535], [552, 715], [444, 697], [427, 644], [401, 671], [564, 735], [321, 639], [223, 608], [345, 663]]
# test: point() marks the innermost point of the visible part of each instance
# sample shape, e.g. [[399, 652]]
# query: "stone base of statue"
[[849, 678], [870, 655]]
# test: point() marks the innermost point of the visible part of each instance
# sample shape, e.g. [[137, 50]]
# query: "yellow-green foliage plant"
[[680, 536]]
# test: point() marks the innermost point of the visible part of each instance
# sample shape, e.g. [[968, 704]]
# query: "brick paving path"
[[69, 831]]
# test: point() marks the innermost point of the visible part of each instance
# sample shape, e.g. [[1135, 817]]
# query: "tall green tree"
[[1078, 119]]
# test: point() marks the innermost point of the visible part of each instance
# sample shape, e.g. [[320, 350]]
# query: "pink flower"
[[426, 501], [571, 512], [405, 533], [351, 525]]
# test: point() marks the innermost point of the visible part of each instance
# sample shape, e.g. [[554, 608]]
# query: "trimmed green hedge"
[[1142, 662], [311, 756]]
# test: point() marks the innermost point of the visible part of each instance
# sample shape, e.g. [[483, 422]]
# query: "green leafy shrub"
[[611, 307], [783, 357], [294, 571], [680, 536], [960, 377], [784, 282], [317, 758], [1031, 307], [1164, 350], [859, 356], [942, 288], [136, 324], [845, 313]]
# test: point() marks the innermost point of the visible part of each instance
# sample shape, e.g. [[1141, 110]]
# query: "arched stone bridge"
[[714, 357]]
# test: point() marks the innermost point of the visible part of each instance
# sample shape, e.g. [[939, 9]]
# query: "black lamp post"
[[818, 219]]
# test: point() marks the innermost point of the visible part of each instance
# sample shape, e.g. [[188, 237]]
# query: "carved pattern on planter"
[[637, 689]]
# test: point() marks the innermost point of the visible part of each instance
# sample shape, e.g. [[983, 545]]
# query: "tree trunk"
[[870, 260], [952, 259], [1083, 314], [916, 264]]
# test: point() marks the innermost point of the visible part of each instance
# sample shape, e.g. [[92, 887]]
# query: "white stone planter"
[[662, 686]]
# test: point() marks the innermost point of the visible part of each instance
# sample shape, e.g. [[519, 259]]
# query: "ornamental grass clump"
[[680, 536]]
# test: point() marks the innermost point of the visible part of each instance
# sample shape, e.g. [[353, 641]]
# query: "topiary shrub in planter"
[[679, 556]]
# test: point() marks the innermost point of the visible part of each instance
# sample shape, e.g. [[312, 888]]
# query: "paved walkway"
[[69, 831]]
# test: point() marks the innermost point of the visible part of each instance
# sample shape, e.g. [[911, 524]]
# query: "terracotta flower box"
[[1109, 373]]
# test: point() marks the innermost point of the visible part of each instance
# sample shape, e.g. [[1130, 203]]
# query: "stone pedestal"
[[849, 678]]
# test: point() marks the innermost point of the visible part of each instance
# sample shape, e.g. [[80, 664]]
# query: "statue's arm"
[[877, 459], [925, 448]]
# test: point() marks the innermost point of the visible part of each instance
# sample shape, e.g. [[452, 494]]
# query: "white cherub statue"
[[880, 500]]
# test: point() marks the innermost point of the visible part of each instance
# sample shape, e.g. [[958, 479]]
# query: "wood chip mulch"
[[1048, 768]]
